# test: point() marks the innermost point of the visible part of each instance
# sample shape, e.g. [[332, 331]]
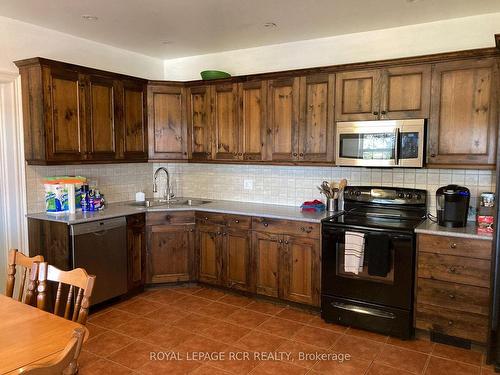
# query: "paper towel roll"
[[140, 196], [71, 198]]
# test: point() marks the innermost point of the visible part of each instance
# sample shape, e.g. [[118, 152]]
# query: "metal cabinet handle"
[[383, 112], [433, 155], [307, 230], [375, 113], [452, 270], [205, 218], [265, 224], [450, 322], [451, 296], [224, 234], [286, 242], [237, 221], [280, 241], [453, 245], [294, 154], [219, 233]]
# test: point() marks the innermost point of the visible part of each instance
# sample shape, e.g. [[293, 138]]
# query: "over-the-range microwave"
[[384, 143]]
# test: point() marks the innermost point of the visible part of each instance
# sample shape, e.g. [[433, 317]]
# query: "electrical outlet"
[[248, 184]]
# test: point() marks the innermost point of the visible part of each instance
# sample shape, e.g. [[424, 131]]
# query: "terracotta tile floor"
[[183, 320]]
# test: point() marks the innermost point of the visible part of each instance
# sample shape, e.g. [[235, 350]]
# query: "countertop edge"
[[445, 233]]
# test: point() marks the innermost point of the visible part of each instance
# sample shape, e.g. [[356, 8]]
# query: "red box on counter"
[[485, 224]]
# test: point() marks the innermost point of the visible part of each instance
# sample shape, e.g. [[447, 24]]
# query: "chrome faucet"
[[168, 194]]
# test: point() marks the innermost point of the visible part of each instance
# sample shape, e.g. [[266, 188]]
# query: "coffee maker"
[[452, 203]]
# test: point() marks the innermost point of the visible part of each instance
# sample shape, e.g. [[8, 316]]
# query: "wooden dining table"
[[29, 335]]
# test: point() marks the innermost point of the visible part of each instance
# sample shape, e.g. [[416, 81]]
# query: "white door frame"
[[13, 223]]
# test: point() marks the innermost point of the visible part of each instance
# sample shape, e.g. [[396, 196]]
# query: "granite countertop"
[[470, 231], [221, 206]]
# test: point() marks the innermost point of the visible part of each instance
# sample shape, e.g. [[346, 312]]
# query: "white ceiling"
[[196, 27]]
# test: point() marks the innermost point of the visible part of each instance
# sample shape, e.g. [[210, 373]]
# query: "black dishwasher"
[[100, 247]]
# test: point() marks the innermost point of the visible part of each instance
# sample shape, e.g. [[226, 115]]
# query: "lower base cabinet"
[[277, 258], [171, 251], [136, 249]]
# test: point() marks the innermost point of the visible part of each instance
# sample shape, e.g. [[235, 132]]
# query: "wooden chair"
[[29, 268], [80, 285], [64, 363]]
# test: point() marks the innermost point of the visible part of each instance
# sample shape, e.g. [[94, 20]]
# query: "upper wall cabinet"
[[167, 122], [74, 114], [464, 119], [391, 93], [225, 129], [199, 122], [283, 119], [253, 111]]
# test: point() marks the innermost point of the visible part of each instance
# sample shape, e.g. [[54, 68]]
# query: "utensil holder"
[[331, 204]]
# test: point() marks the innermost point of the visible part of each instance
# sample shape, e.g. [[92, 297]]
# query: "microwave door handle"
[[396, 148]]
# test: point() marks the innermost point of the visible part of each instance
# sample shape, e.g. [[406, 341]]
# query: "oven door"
[[394, 290], [387, 143]]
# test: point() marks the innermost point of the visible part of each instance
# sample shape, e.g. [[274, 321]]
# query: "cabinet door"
[[170, 250], [237, 261], [209, 254], [406, 92], [316, 138], [226, 129], [463, 121], [283, 118], [357, 95], [199, 120], [266, 255], [136, 247], [167, 124], [301, 270], [134, 121], [253, 112], [65, 115], [101, 119]]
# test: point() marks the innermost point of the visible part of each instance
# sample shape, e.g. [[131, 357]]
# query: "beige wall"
[[441, 36], [20, 40]]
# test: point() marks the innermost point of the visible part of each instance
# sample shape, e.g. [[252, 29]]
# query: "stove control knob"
[[418, 196], [358, 193], [409, 196], [401, 195]]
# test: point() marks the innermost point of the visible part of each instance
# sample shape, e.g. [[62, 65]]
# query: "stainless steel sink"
[[192, 202], [172, 202]]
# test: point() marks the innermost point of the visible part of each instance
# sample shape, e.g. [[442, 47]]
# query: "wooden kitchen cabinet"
[[286, 260], [101, 110], [453, 281], [167, 122], [253, 112], [136, 249], [283, 119], [357, 96], [226, 128], [316, 124], [236, 253], [209, 249], [464, 120], [171, 247], [134, 121], [267, 249], [391, 93], [200, 122], [74, 114]]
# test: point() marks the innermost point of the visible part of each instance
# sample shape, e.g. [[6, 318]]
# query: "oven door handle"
[[396, 148], [364, 310]]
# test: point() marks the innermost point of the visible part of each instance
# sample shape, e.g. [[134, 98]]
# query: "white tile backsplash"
[[287, 185]]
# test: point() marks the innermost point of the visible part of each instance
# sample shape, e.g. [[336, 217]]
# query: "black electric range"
[[380, 299]]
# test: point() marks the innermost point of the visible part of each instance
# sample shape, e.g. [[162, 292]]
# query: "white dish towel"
[[354, 252]]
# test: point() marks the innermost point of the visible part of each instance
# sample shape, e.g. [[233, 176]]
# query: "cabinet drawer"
[[279, 226], [170, 217], [465, 298], [136, 220], [238, 221], [454, 269], [464, 247], [453, 323], [210, 218]]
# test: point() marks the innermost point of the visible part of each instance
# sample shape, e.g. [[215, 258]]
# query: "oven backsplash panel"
[[286, 185]]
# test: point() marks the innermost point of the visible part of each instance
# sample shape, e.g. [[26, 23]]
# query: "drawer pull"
[[286, 242], [453, 245], [307, 230], [224, 234], [237, 221], [452, 296], [452, 270], [450, 322], [219, 233], [205, 218], [265, 224]]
